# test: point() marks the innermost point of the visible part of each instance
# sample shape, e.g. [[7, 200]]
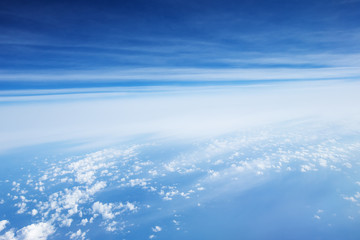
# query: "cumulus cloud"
[[105, 209], [110, 210], [157, 229], [84, 221], [34, 212], [59, 208], [9, 235], [3, 224], [38, 231], [78, 235], [22, 207]]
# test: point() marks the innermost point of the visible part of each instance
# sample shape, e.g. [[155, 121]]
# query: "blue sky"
[[57, 44], [179, 119]]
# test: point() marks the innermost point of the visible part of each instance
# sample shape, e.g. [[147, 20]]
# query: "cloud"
[[164, 76], [9, 235], [105, 209], [61, 207], [38, 231], [157, 229], [105, 118], [34, 212], [3, 224], [247, 159], [309, 167], [78, 235], [22, 207], [84, 221]]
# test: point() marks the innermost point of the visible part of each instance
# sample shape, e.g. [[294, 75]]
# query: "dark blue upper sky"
[[53, 41]]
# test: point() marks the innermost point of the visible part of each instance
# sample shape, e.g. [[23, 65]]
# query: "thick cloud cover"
[[186, 112]]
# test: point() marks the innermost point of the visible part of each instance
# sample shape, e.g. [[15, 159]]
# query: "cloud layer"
[[186, 112]]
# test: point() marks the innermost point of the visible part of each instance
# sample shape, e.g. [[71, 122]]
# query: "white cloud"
[[66, 222], [348, 165], [103, 120], [357, 195], [131, 206], [3, 224], [96, 187], [157, 229], [105, 209], [78, 235], [84, 221], [308, 167], [138, 182], [38, 231], [71, 198], [323, 162], [198, 74], [108, 211], [34, 212], [22, 207], [111, 226], [63, 204], [351, 199], [9, 235]]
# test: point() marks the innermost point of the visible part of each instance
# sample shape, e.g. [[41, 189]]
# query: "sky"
[[173, 119], [80, 44]]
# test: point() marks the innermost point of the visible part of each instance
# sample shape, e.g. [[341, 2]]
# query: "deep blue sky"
[[46, 43]]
